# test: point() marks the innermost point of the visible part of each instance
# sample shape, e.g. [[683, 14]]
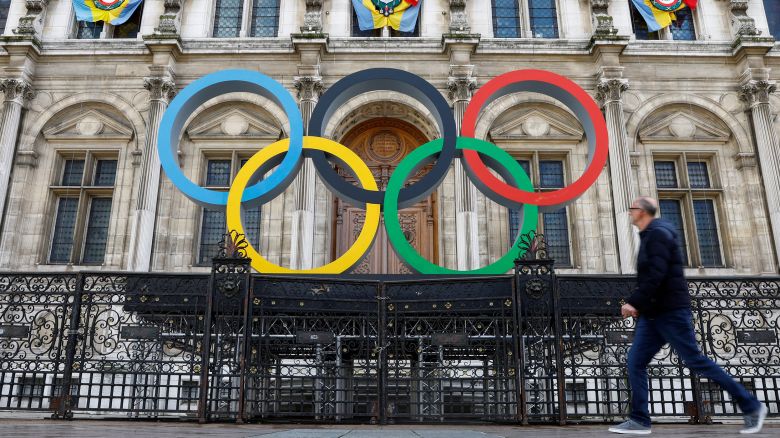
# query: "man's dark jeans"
[[674, 327]]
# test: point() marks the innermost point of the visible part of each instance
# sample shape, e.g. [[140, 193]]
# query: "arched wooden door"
[[382, 143]]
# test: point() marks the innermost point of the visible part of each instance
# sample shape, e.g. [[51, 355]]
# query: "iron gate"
[[230, 346]]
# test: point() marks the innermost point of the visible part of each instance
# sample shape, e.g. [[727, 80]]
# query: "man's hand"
[[628, 310]]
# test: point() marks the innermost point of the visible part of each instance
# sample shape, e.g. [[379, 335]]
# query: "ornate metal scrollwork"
[[534, 246], [232, 246]]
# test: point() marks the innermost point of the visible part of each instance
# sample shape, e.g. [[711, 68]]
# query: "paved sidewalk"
[[139, 429]]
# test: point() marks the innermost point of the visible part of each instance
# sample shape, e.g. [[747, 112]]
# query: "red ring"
[[556, 197]]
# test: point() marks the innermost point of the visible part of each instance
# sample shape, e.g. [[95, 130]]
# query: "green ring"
[[395, 234]]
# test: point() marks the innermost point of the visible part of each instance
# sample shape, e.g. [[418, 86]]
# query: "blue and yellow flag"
[[659, 14], [111, 11], [398, 14]]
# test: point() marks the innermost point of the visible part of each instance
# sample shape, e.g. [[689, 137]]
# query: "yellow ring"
[[363, 243]]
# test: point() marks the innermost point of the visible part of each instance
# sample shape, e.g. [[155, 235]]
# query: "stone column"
[[756, 94], [161, 91], [610, 90], [466, 220], [302, 251], [309, 44], [459, 43], [17, 92]]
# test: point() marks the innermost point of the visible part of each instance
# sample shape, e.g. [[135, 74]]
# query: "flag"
[[111, 11], [659, 14], [399, 14]]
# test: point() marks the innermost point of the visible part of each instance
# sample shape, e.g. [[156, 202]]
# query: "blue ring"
[[209, 87]]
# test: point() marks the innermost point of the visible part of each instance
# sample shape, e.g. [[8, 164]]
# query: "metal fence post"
[[244, 347], [205, 351], [382, 354], [559, 346], [699, 414], [519, 347], [72, 333]]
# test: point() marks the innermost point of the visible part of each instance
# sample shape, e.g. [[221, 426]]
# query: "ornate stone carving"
[[17, 90], [170, 20], [31, 23], [461, 88], [602, 21], [160, 88], [312, 19], [308, 87], [459, 20], [743, 24], [611, 90], [757, 92]]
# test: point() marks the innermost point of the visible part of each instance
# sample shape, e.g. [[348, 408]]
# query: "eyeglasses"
[[634, 208]]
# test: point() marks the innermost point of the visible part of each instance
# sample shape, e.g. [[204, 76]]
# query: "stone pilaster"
[[755, 92], [16, 93], [302, 252], [161, 91], [170, 20], [461, 88], [610, 89], [31, 23], [308, 83]]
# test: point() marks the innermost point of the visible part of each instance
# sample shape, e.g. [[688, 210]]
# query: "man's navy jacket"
[[661, 283]]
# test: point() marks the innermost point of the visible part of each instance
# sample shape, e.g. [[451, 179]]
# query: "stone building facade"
[[691, 111]]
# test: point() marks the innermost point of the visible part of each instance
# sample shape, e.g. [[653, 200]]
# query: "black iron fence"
[[529, 347]]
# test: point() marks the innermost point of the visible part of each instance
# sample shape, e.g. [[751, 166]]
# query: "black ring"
[[389, 79]]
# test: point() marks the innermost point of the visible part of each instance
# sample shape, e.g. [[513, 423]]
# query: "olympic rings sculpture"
[[511, 188]]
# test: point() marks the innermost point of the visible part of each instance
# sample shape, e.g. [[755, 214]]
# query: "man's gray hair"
[[647, 204]]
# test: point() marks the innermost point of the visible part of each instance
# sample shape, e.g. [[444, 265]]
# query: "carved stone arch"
[[377, 104], [643, 117], [119, 105], [500, 112], [94, 122], [536, 120], [235, 121], [263, 113]]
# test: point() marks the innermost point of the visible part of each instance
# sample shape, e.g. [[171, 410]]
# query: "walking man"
[[662, 307]]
